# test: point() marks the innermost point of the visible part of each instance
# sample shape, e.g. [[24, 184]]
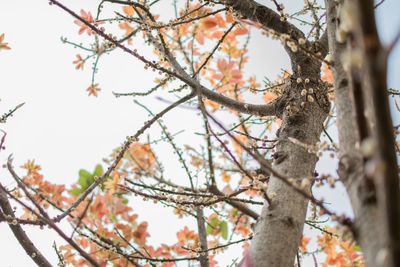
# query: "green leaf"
[[224, 230], [212, 225], [85, 179], [209, 229], [98, 170], [84, 174], [75, 191], [214, 222]]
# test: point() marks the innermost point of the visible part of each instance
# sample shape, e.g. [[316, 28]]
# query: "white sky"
[[64, 130]]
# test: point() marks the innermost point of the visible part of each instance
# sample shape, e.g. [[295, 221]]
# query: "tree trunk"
[[360, 190], [280, 225], [384, 161]]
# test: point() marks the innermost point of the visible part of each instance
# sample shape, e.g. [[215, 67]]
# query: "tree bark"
[[280, 225], [361, 191], [202, 233], [384, 161]]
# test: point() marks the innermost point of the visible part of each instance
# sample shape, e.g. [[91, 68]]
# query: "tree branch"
[[260, 110], [19, 233], [322, 44], [258, 13], [202, 233]]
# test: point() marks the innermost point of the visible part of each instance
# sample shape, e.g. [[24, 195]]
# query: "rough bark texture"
[[280, 225], [385, 172], [361, 191]]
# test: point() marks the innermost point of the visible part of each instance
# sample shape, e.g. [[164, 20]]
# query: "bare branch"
[[19, 233], [258, 13], [5, 116]]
